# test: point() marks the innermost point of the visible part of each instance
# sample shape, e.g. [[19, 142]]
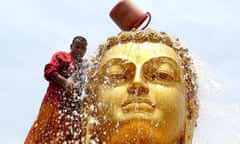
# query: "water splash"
[[219, 121]]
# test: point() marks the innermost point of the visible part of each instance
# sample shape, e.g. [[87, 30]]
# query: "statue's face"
[[142, 81]]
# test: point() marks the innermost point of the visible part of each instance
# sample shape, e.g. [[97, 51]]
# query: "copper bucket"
[[128, 16]]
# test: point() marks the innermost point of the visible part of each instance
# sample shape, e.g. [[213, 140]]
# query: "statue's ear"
[[86, 120], [90, 135], [88, 131], [188, 132], [190, 122]]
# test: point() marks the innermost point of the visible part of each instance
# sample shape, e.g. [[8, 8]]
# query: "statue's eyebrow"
[[163, 60], [115, 61]]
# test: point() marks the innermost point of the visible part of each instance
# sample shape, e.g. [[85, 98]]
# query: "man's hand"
[[67, 84], [69, 87]]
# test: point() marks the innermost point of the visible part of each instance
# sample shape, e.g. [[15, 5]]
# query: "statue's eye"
[[115, 79], [161, 71], [115, 75], [162, 76]]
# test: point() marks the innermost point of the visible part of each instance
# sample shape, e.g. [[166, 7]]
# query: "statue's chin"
[[141, 132]]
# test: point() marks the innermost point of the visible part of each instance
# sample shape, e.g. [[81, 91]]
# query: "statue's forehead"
[[139, 53]]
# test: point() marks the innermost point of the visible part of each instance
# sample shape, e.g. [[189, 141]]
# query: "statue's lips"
[[138, 105]]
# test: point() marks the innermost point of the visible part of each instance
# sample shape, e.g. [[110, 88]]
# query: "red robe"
[[61, 63], [55, 122]]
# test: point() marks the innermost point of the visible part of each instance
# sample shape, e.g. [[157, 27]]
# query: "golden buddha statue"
[[141, 90]]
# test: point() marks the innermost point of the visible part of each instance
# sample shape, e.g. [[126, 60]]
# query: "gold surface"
[[143, 91]]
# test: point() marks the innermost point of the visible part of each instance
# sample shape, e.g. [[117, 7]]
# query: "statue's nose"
[[137, 89]]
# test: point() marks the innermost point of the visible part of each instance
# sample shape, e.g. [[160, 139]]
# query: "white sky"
[[32, 30]]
